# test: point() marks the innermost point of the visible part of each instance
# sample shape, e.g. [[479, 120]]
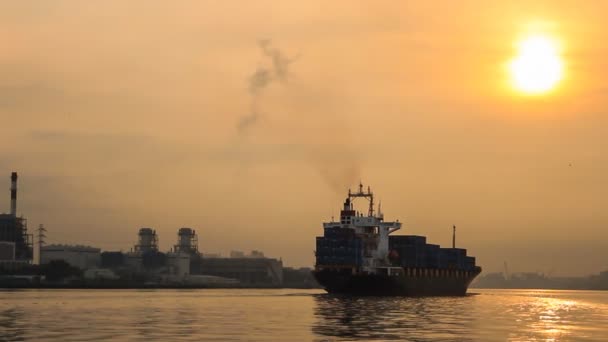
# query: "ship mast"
[[369, 195]]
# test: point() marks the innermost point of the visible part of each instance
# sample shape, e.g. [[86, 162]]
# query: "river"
[[300, 315]]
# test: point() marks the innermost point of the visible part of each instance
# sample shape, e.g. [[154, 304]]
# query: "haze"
[[120, 115]]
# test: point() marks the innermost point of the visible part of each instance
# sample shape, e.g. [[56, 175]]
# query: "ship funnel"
[[14, 193]]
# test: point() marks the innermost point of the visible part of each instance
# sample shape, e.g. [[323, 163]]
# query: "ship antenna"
[[454, 237]]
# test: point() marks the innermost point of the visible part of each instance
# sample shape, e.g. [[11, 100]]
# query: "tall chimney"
[[454, 237], [14, 193]]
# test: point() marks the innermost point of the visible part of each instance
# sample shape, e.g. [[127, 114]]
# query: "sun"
[[538, 67]]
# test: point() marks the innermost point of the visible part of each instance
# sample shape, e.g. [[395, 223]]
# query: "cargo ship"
[[358, 256]]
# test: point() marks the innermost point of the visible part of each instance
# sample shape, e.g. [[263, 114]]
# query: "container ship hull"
[[431, 283]]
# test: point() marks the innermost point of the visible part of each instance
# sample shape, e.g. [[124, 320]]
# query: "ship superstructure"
[[369, 230], [357, 255]]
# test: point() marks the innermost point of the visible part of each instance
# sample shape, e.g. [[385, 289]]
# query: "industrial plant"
[[16, 244], [183, 265], [144, 265]]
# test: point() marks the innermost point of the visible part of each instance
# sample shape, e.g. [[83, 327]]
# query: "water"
[[299, 315]]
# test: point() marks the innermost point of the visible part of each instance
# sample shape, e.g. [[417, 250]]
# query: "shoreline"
[[147, 287]]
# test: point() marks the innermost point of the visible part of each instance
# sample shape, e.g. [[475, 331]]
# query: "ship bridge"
[[371, 227]]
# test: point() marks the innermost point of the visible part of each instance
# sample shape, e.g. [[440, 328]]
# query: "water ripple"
[[299, 315]]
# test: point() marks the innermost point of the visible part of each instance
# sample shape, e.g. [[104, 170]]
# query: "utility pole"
[[41, 237]]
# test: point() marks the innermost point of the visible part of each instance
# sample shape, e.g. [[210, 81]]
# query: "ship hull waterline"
[[446, 284]]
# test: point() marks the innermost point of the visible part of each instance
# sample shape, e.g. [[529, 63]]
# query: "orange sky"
[[119, 115]]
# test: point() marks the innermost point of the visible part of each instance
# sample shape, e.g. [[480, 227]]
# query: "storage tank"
[[180, 264]]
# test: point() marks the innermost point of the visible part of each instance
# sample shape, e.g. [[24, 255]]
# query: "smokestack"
[[14, 193], [454, 237]]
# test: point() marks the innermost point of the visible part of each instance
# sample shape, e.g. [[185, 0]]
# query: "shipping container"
[[452, 258], [469, 263], [336, 232], [339, 249], [406, 240]]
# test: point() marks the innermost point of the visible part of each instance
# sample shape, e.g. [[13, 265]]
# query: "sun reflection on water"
[[545, 317], [489, 316]]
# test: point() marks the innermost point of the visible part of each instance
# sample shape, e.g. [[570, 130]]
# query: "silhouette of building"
[[83, 257], [7, 251], [250, 270], [14, 229]]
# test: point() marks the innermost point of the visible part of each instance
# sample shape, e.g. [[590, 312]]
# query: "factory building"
[[14, 229], [83, 257], [134, 261], [187, 241], [8, 261], [184, 255], [112, 259], [7, 251], [147, 242], [145, 254], [179, 264], [184, 264], [253, 255], [249, 271], [100, 274]]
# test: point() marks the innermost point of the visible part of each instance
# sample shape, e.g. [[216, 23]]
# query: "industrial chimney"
[[14, 193]]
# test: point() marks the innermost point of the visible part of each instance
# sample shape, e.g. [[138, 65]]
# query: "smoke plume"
[[335, 160], [261, 78], [338, 173]]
